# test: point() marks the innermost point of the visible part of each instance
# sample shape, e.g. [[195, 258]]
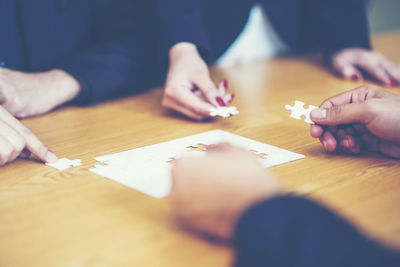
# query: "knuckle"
[[27, 133], [13, 104], [373, 88], [371, 106], [20, 145], [335, 111]]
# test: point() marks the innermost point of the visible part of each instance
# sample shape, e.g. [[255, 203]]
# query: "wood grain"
[[75, 218]]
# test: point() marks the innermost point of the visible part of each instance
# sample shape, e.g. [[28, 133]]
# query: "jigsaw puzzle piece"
[[64, 164], [298, 110], [224, 112]]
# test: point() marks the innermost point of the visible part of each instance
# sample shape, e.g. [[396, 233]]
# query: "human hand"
[[365, 118], [30, 94], [348, 63], [189, 88], [17, 140], [209, 194]]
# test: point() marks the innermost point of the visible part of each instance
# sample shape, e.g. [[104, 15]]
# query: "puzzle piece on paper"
[[198, 147], [64, 164], [298, 110], [259, 154], [172, 160], [148, 169], [224, 112]]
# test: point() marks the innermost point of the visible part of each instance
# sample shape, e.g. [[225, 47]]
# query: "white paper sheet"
[[147, 169]]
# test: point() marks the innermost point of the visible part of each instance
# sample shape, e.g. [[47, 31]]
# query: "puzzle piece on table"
[[298, 110], [224, 112], [64, 164]]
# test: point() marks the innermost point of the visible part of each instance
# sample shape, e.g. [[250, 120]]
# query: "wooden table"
[[75, 218]]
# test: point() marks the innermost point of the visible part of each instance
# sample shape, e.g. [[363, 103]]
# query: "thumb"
[[341, 114]]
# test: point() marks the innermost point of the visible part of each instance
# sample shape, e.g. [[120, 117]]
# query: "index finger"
[[194, 103], [33, 144], [356, 95]]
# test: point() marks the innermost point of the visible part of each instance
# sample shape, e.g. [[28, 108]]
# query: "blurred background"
[[384, 15]]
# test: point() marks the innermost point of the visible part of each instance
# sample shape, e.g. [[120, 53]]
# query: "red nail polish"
[[392, 83], [220, 101], [355, 77], [225, 83]]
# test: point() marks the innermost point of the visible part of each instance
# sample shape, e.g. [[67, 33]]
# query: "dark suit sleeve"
[[339, 24], [107, 66], [181, 21], [292, 231]]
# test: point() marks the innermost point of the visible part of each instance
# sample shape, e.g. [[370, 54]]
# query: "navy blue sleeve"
[[292, 231], [340, 24], [181, 21], [108, 65]]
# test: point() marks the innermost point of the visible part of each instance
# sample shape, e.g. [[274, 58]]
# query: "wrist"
[[69, 87], [183, 49]]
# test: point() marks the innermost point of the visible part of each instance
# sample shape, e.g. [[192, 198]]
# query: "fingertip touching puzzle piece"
[[298, 110]]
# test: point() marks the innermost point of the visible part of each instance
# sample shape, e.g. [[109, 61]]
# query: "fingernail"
[[225, 83], [345, 143], [355, 77], [324, 143], [392, 83], [318, 113], [220, 101], [232, 97], [51, 157]]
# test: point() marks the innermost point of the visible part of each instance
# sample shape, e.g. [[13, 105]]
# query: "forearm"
[[290, 231]]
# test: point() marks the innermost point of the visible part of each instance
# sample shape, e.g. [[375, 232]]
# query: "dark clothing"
[[292, 231], [93, 40], [11, 46], [304, 25]]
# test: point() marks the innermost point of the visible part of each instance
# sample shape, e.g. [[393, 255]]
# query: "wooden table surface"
[[75, 218]]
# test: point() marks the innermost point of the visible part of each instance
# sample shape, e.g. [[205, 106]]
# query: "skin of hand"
[[17, 140], [189, 88], [348, 63], [365, 118], [30, 94], [209, 194]]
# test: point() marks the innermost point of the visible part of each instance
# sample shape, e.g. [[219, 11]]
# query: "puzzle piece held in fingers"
[[298, 110], [224, 112]]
